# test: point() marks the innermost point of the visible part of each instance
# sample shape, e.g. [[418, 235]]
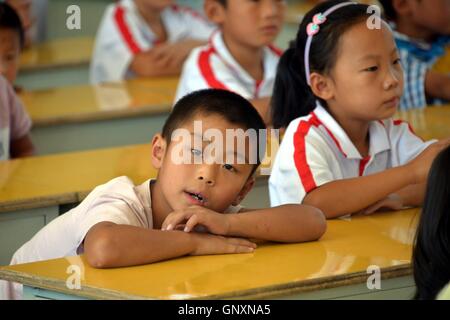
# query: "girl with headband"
[[336, 90]]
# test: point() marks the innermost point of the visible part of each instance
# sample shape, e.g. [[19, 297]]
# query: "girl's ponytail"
[[292, 97]]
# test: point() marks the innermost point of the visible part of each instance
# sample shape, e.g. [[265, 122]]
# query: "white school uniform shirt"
[[118, 201], [123, 33], [213, 66], [316, 150]]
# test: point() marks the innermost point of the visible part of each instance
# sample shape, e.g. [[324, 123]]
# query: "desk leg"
[[18, 227]]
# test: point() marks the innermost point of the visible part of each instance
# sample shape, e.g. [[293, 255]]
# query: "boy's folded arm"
[[163, 60], [109, 245], [146, 64], [437, 85], [286, 223]]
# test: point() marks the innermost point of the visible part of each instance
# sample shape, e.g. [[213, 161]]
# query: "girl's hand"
[[391, 202], [421, 164], [213, 244], [197, 216]]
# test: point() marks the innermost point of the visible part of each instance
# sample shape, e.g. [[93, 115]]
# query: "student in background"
[[120, 224], [15, 123], [431, 254], [336, 90], [145, 38], [422, 32], [240, 57], [12, 40]]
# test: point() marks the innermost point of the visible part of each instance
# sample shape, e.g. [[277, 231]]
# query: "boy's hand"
[[421, 164], [391, 202], [217, 223], [213, 244]]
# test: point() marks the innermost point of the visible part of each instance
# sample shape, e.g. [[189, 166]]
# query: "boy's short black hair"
[[388, 9], [9, 19], [229, 105]]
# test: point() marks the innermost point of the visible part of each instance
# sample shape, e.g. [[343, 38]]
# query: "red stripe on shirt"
[[119, 17], [276, 50], [336, 141], [362, 165], [206, 70], [399, 122], [301, 162]]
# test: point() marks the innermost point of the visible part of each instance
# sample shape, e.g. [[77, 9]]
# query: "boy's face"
[[210, 182], [433, 15], [250, 22], [9, 54]]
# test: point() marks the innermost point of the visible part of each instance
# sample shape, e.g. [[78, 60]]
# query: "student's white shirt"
[[123, 32], [213, 66], [118, 201], [316, 150]]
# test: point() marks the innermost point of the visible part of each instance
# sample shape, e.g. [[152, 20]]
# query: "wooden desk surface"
[[68, 178], [106, 101], [430, 122], [341, 257], [443, 64], [57, 53]]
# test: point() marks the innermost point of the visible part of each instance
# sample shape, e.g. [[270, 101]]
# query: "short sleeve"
[[301, 165], [405, 144], [109, 208]]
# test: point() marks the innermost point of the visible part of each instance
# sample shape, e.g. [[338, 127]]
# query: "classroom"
[[109, 191]]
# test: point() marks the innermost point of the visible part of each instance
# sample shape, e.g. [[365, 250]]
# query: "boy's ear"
[[214, 11], [159, 146], [321, 86], [245, 190]]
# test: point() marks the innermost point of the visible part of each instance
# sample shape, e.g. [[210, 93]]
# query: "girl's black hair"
[[431, 254], [292, 97], [10, 20]]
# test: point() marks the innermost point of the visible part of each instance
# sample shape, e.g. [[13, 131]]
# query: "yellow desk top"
[[443, 64], [68, 178], [57, 53], [341, 257], [106, 101], [430, 122]]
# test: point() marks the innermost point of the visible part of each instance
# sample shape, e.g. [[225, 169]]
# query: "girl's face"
[[367, 79]]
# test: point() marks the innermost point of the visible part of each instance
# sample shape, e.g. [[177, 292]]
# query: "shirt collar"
[[379, 140], [269, 60]]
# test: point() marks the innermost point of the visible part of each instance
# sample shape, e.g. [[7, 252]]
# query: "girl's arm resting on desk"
[[348, 196], [22, 147], [287, 223], [109, 245], [437, 85]]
